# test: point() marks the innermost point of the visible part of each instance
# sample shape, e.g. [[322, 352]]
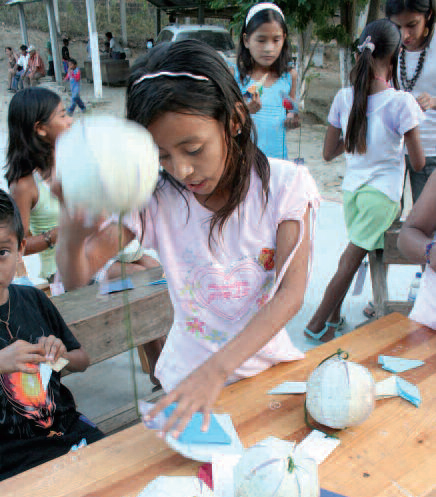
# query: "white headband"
[[262, 6], [366, 44], [170, 75]]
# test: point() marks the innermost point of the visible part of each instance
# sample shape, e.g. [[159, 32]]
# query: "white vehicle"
[[215, 36]]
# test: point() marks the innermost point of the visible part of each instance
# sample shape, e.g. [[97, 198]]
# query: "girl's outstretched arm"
[[333, 143], [199, 391], [414, 149], [418, 230]]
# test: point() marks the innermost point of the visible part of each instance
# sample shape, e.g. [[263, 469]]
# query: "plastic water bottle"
[[414, 287]]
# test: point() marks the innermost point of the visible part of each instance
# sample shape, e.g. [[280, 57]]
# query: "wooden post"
[[158, 21], [54, 40], [123, 22], [23, 25], [93, 45]]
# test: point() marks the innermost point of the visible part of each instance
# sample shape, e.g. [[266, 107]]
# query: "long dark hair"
[[216, 99], [386, 38], [427, 7], [27, 151], [245, 61]]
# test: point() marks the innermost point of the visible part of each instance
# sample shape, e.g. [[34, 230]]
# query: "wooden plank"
[[98, 321], [391, 454]]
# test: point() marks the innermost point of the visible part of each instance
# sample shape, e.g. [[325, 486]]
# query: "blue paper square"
[[409, 392]]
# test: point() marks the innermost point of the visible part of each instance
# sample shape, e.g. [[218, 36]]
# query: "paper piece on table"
[[45, 372], [223, 475], [289, 387], [176, 486], [327, 493], [398, 364], [318, 445], [57, 289], [394, 386], [387, 387], [59, 364], [409, 392], [115, 286]]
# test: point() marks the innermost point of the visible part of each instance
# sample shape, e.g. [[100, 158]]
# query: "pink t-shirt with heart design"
[[215, 292]]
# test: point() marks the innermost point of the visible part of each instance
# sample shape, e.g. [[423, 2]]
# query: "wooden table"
[[392, 454]]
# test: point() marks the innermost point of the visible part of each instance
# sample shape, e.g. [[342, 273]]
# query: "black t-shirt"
[[26, 410], [65, 53]]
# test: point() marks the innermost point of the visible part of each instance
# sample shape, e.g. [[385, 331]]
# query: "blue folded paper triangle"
[[398, 364], [327, 493], [408, 391], [192, 434]]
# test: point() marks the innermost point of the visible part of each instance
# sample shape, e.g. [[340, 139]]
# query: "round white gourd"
[[273, 468], [340, 393], [106, 164]]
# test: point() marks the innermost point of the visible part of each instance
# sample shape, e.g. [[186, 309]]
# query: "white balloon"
[[106, 164], [340, 393], [273, 468]]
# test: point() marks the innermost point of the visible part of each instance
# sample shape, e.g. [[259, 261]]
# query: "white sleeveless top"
[[216, 292]]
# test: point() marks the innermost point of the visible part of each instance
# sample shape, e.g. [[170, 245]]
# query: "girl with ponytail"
[[375, 121]]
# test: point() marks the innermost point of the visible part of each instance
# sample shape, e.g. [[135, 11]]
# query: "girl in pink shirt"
[[231, 228]]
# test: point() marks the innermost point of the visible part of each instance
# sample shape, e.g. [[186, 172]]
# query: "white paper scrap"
[[289, 387], [176, 486], [223, 476], [387, 387], [318, 445], [59, 364], [45, 372]]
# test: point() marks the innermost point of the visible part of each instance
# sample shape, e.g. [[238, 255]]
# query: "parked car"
[[215, 36]]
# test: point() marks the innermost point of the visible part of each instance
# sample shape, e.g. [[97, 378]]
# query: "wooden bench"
[[379, 260], [97, 321]]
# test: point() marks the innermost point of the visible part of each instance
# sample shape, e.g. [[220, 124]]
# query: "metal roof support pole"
[[123, 22], [158, 21], [93, 45], [56, 14], [54, 40], [23, 25]]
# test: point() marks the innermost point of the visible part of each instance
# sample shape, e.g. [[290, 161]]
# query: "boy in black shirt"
[[37, 422]]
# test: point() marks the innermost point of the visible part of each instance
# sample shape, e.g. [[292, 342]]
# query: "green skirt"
[[368, 214]]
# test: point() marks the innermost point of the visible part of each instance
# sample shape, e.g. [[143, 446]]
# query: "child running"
[[263, 58], [74, 77], [36, 423], [375, 120], [231, 228]]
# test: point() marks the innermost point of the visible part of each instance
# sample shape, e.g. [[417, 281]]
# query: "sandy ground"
[[306, 143]]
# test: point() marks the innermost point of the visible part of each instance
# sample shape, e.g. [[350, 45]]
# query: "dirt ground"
[[305, 142]]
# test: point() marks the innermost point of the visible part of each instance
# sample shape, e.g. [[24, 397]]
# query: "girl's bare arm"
[[333, 143], [414, 149]]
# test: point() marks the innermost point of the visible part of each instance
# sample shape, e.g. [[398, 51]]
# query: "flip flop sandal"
[[369, 311], [337, 327]]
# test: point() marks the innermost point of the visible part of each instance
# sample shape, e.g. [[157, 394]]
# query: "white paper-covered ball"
[[340, 393], [106, 164], [274, 468]]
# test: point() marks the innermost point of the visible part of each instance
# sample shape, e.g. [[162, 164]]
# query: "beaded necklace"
[[6, 323], [408, 84]]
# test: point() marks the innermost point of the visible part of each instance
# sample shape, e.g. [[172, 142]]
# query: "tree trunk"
[[349, 21], [303, 60], [374, 11]]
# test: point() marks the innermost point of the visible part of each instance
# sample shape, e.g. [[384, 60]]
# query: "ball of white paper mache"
[[106, 164], [340, 393], [274, 468]]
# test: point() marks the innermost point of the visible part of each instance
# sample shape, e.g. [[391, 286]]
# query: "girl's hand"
[[53, 348], [21, 356], [255, 103], [433, 258], [196, 393], [426, 102], [292, 121]]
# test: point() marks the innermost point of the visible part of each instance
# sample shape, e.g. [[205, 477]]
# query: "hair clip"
[[262, 6], [366, 44], [170, 75]]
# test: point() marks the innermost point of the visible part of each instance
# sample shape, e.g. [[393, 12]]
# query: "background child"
[[264, 55], [375, 120], [417, 74], [74, 77], [231, 229], [36, 117], [65, 54], [418, 242], [36, 425]]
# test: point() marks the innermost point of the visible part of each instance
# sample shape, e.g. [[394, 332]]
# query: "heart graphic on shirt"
[[231, 294]]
